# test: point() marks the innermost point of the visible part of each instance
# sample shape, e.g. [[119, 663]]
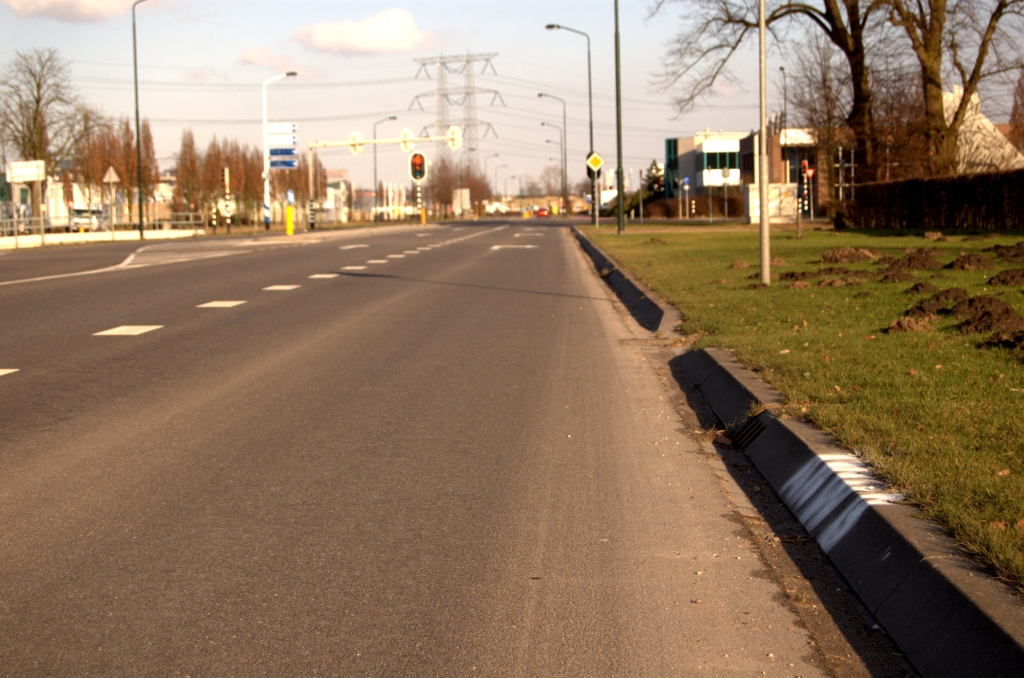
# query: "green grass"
[[950, 438]]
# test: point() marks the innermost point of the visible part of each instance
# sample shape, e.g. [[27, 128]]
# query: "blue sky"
[[201, 65]]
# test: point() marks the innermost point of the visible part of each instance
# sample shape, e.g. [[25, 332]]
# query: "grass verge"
[[936, 414]]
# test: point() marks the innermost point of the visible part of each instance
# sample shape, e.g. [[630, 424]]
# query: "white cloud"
[[393, 30], [70, 10]]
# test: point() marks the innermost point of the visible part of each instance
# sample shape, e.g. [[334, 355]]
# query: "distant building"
[[981, 147], [709, 159]]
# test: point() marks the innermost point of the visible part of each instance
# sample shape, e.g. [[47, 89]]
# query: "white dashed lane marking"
[[354, 268], [323, 276], [8, 371], [396, 256], [220, 304], [410, 252], [281, 288], [127, 331], [353, 247], [377, 261], [514, 247]]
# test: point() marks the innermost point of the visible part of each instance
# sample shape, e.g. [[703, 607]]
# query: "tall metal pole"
[[785, 101], [390, 117], [266, 149], [620, 185], [595, 198], [496, 178], [138, 126], [565, 150], [762, 187]]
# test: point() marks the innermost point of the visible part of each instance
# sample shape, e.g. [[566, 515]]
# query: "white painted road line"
[[323, 276], [281, 288], [514, 247], [377, 261], [354, 268], [424, 235], [423, 249], [353, 247], [8, 371], [127, 331], [396, 256], [410, 252], [529, 235], [220, 304]]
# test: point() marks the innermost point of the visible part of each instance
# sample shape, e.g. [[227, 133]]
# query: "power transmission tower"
[[464, 96]]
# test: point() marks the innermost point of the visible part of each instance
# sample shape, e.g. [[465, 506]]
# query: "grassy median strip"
[[938, 413]]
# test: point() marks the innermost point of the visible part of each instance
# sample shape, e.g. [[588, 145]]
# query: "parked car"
[[543, 212]]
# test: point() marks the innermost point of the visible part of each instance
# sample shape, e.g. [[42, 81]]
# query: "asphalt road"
[[460, 461]]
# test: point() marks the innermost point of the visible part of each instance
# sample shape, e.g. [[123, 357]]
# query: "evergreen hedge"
[[971, 202]]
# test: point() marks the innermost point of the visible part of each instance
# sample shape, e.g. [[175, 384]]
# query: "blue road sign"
[[290, 151], [291, 197], [289, 164], [686, 180]]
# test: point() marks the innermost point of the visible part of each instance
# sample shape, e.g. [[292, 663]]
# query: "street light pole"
[[785, 99], [266, 148], [565, 151], [595, 199], [138, 127], [766, 275], [496, 178], [618, 126], [390, 117], [493, 155]]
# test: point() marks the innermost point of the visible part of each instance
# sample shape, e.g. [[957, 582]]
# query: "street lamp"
[[561, 152], [390, 117], [590, 97], [565, 151], [138, 130], [496, 177], [762, 183], [618, 127], [266, 148], [785, 99]]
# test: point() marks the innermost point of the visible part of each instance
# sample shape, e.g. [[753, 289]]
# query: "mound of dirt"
[[657, 241], [907, 324], [970, 262], [917, 260], [976, 238], [739, 264], [720, 281], [798, 285], [778, 261], [936, 236], [939, 303], [849, 255], [833, 270], [987, 314], [1008, 252], [798, 275], [1010, 340], [832, 282], [1013, 277], [923, 288]]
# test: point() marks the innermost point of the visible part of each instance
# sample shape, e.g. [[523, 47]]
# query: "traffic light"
[[417, 167]]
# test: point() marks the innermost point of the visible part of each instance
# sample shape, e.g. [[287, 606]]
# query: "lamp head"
[[291, 74], [542, 95], [552, 27], [393, 117]]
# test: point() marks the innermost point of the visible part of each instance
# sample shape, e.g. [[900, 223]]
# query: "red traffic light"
[[417, 167]]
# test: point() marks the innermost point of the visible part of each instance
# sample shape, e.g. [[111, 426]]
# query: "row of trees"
[[897, 57]]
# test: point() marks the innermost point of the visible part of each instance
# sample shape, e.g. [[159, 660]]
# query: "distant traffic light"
[[417, 167]]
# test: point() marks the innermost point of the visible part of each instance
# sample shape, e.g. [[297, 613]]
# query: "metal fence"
[[35, 226]]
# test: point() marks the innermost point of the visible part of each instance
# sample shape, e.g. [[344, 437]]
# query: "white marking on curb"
[[354, 268], [220, 304], [281, 288], [127, 331], [8, 371], [323, 276], [353, 247]]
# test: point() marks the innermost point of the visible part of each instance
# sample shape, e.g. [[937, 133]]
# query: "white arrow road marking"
[[7, 371], [127, 331], [354, 268], [353, 247], [220, 304], [514, 247], [281, 288], [323, 276]]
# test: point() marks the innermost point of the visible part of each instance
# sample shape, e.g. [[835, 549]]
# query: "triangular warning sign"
[[111, 176]]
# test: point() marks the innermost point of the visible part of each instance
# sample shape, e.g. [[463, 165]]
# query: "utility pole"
[[762, 186], [618, 124], [138, 130]]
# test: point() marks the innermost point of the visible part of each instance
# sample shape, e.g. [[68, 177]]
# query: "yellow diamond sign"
[[595, 161]]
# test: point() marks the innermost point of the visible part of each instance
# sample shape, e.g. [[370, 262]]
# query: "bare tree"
[[551, 179], [211, 176], [187, 174], [150, 164], [123, 159], [1017, 115], [980, 38], [41, 117], [715, 30]]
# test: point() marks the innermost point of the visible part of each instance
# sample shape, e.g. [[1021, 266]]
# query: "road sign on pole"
[[282, 128], [454, 137], [406, 142], [355, 143]]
